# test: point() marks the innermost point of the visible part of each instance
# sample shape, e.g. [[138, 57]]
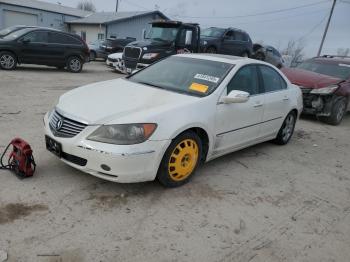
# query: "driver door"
[[238, 124]]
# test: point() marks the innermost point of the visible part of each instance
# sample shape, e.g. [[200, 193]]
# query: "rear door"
[[34, 47], [277, 102], [61, 45]]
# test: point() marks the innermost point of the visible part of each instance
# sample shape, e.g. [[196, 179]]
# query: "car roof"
[[224, 58], [332, 59]]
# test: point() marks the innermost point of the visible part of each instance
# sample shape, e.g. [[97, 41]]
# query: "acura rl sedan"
[[163, 121]]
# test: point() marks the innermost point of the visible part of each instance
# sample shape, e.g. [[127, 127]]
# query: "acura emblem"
[[59, 124]]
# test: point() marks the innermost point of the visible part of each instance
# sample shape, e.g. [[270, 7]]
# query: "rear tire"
[[8, 61], [74, 64], [287, 129], [245, 54], [180, 160], [211, 50], [337, 112]]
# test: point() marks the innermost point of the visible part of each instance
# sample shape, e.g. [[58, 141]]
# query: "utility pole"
[[326, 29], [116, 6]]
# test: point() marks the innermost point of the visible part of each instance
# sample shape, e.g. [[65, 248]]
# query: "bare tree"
[[86, 5], [343, 51], [294, 49]]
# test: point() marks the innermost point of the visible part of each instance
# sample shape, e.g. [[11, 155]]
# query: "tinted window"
[[36, 37], [229, 35], [184, 75], [240, 36], [213, 32], [58, 38], [272, 79], [246, 79]]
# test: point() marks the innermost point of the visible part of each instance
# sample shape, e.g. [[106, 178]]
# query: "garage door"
[[18, 18]]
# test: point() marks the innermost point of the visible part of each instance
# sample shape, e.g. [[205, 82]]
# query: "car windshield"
[[166, 34], [17, 34], [213, 32], [8, 30], [338, 70], [184, 75]]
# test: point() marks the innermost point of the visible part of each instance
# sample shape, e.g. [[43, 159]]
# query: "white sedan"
[[166, 119]]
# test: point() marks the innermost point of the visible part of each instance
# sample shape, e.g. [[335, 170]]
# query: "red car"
[[325, 83]]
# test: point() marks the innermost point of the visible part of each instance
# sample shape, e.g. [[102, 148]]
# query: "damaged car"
[[163, 121], [325, 83], [268, 54]]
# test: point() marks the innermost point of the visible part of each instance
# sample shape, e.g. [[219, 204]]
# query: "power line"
[[271, 20], [313, 29], [257, 14]]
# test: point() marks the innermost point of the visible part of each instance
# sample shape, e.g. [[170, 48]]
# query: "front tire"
[[92, 56], [337, 113], [287, 129], [74, 64], [8, 61], [181, 160]]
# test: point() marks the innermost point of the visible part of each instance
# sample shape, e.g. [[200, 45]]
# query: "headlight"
[[150, 55], [126, 134], [325, 90]]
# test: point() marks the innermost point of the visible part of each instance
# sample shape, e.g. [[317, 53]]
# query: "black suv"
[[228, 41], [43, 46]]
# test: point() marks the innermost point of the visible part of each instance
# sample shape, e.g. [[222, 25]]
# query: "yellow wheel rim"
[[183, 160]]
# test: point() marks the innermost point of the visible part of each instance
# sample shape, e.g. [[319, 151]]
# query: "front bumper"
[[319, 105], [127, 163]]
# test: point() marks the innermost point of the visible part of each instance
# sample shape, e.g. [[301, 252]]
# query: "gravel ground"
[[265, 203]]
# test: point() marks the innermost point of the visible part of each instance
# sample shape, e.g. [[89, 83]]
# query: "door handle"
[[258, 105], [286, 99]]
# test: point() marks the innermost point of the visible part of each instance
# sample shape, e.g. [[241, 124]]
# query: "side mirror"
[[236, 96], [188, 39]]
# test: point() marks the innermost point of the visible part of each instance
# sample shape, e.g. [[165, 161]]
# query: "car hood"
[[111, 101], [309, 79], [116, 55]]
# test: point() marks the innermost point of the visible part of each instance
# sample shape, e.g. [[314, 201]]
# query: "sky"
[[266, 21]]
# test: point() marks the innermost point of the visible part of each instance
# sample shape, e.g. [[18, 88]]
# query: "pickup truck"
[[165, 38]]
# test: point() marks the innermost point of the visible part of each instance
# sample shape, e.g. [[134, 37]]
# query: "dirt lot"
[[265, 203]]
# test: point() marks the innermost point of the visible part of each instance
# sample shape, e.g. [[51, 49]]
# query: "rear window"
[[59, 38]]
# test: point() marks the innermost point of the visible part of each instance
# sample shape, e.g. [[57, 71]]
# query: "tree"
[[86, 5], [343, 51], [294, 50]]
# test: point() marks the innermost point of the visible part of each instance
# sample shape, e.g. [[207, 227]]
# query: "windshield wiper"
[[150, 84]]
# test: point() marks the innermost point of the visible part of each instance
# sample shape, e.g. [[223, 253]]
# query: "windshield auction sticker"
[[199, 87], [212, 79]]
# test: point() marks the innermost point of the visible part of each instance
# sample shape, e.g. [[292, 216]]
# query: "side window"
[[272, 79], [36, 37], [58, 38], [246, 79], [229, 35], [239, 36]]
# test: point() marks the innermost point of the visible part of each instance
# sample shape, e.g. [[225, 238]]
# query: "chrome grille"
[[132, 52], [65, 127]]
